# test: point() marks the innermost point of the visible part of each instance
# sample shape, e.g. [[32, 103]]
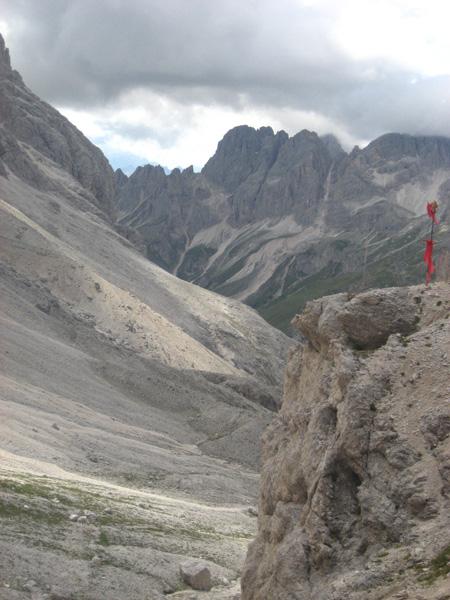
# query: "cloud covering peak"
[[165, 80]]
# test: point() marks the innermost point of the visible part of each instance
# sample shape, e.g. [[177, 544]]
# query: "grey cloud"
[[165, 138], [262, 53]]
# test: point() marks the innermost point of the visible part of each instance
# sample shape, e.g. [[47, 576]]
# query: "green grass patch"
[[280, 312], [103, 538], [69, 496], [438, 567], [33, 490], [27, 489], [9, 510]]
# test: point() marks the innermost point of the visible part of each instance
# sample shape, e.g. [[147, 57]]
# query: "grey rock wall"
[[28, 124], [354, 498]]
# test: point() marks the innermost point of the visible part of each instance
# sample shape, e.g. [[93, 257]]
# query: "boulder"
[[196, 574]]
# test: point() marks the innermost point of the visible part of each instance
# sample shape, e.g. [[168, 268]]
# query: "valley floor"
[[71, 536]]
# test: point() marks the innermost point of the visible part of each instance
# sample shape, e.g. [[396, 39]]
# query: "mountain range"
[[275, 220]]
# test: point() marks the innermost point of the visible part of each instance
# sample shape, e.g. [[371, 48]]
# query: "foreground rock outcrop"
[[354, 499]]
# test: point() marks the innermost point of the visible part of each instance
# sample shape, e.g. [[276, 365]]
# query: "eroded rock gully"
[[354, 499]]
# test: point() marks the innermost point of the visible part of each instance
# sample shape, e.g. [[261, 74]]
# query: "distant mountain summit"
[[5, 61], [333, 146], [275, 220], [242, 152]]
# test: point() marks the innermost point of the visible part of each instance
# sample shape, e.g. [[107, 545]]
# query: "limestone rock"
[[355, 466], [196, 574], [28, 125], [365, 321]]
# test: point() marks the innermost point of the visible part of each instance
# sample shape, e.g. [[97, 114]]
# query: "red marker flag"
[[431, 210], [428, 259], [428, 256]]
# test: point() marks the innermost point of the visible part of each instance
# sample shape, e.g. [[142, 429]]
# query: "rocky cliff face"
[[274, 220], [243, 153], [29, 125], [167, 211], [355, 491]]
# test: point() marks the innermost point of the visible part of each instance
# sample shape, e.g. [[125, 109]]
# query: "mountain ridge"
[[32, 123], [269, 212]]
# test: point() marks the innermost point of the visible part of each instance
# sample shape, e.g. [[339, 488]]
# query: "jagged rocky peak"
[[150, 180], [29, 124], [241, 152], [120, 178], [289, 180], [298, 150], [148, 172], [333, 146], [5, 61], [6, 69], [434, 150], [189, 170], [355, 489]]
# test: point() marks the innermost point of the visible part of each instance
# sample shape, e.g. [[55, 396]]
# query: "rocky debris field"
[[83, 539]]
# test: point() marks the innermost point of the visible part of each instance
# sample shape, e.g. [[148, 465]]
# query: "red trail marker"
[[428, 256]]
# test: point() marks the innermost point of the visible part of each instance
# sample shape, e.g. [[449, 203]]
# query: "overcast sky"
[[161, 81]]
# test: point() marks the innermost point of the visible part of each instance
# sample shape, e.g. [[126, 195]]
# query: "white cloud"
[[166, 132], [409, 33], [4, 28], [163, 81]]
